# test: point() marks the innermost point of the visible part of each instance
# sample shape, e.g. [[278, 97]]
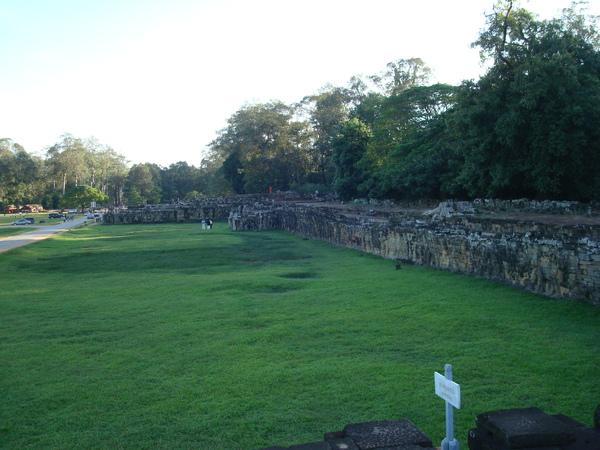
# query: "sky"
[[157, 79]]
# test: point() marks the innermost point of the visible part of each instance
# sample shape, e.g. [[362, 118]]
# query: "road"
[[37, 233]]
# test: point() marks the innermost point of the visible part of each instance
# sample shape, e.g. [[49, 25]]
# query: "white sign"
[[447, 389]]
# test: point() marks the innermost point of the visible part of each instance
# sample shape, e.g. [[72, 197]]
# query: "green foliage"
[[233, 171], [184, 338], [402, 75], [263, 146], [20, 176], [409, 154], [133, 197], [82, 197], [143, 184], [530, 127], [348, 147], [178, 180]]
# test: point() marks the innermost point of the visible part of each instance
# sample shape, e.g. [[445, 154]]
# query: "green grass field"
[[169, 336]]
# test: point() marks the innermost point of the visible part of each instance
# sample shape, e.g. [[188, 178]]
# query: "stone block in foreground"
[[524, 428], [386, 433]]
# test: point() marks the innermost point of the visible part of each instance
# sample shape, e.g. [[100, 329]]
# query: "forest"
[[529, 127]]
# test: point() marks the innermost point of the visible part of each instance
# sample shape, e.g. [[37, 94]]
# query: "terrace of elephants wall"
[[556, 261], [560, 261]]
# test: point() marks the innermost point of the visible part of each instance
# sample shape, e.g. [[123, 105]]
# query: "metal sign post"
[[449, 391]]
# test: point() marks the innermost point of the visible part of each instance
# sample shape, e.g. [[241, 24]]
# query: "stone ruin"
[[559, 261], [505, 429], [556, 261]]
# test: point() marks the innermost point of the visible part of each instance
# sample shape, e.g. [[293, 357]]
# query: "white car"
[[21, 222]]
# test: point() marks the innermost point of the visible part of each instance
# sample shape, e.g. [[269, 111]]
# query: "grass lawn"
[[169, 336]]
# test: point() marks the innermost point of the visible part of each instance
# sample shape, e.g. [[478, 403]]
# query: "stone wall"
[[556, 261], [216, 209]]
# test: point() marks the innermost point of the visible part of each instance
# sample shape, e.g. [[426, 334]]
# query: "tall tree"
[[261, 147], [67, 160], [20, 175], [530, 127], [140, 178], [82, 196], [349, 146], [401, 75], [178, 180], [326, 110], [399, 158]]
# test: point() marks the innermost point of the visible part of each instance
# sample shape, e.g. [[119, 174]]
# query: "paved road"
[[37, 233]]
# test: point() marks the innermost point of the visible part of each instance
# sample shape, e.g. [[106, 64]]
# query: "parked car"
[[55, 216], [29, 219], [21, 222]]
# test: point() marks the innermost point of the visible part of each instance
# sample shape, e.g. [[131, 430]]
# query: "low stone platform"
[[378, 435], [504, 429], [532, 429]]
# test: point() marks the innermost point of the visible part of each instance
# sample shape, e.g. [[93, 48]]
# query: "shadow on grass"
[[140, 251]]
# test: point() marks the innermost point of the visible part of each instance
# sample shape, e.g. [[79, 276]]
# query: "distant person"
[[209, 224]]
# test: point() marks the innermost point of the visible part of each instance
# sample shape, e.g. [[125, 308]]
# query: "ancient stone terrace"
[[550, 248]]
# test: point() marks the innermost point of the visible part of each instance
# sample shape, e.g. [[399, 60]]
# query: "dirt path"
[[37, 233]]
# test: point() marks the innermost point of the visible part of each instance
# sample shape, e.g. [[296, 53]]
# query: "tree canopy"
[[83, 197], [528, 127]]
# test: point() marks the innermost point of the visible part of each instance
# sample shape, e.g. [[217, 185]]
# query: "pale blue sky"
[[156, 79]]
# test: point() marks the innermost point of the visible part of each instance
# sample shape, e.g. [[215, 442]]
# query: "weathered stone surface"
[[479, 440], [585, 439], [524, 427], [568, 421], [386, 433], [342, 444]]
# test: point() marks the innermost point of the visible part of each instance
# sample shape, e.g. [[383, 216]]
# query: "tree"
[[67, 160], [530, 127], [178, 180], [146, 180], [348, 147], [233, 171], [82, 197], [263, 146], [325, 112], [401, 75], [20, 175], [405, 158]]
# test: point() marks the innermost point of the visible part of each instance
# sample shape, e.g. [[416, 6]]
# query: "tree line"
[[57, 180], [528, 128]]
